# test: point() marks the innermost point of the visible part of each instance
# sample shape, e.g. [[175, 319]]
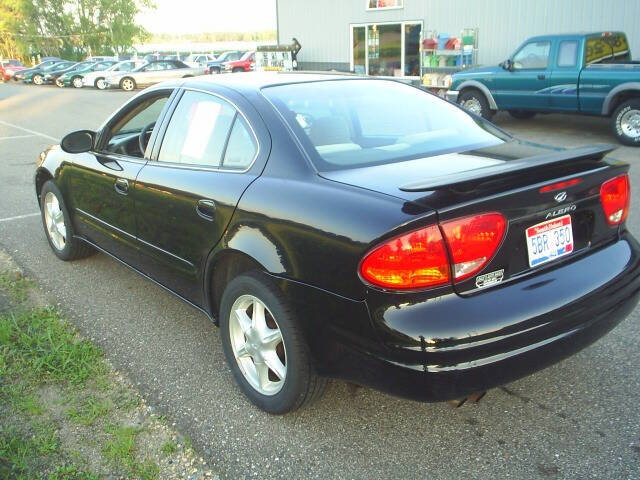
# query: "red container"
[[430, 44]]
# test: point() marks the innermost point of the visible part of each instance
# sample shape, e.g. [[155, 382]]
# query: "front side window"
[[358, 123], [534, 55], [123, 135], [198, 130], [568, 53]]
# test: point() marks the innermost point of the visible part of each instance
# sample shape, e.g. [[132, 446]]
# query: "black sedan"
[[351, 228]]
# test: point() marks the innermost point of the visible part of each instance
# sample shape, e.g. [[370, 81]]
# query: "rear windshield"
[[607, 49], [357, 123]]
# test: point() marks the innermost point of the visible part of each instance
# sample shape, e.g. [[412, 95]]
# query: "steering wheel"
[[142, 138]]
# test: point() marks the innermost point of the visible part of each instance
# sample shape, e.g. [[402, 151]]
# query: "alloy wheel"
[[37, 79], [473, 105], [257, 344], [630, 123], [100, 84], [127, 84], [54, 219], [77, 82]]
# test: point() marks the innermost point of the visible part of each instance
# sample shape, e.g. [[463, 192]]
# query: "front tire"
[[237, 70], [522, 114], [128, 84], [100, 84], [38, 79], [214, 71], [625, 122], [58, 227], [264, 346], [474, 101]]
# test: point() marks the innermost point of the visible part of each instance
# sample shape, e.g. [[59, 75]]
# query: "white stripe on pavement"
[[44, 135], [18, 217], [16, 136]]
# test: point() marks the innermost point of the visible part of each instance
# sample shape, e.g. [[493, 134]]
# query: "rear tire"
[[100, 83], [625, 122], [475, 102], [237, 70], [215, 71], [242, 335], [38, 79], [58, 226], [128, 84], [76, 82], [522, 114]]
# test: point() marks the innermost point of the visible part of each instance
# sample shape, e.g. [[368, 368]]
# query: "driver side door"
[[101, 182]]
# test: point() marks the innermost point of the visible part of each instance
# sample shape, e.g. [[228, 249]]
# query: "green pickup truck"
[[587, 73]]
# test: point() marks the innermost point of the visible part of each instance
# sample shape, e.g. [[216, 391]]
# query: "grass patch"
[[17, 285], [71, 472], [89, 409], [20, 448], [120, 449], [169, 448], [40, 344]]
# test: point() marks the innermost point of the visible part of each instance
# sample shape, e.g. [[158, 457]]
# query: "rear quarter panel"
[[599, 84]]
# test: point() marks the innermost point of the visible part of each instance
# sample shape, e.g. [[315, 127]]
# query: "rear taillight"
[[416, 259], [419, 259], [615, 195], [473, 241]]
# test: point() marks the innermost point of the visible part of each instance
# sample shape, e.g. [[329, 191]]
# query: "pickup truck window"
[[607, 49], [568, 53], [534, 55]]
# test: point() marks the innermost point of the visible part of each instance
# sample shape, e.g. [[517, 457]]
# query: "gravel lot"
[[577, 419]]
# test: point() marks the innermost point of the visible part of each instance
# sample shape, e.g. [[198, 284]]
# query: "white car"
[[97, 79], [151, 73], [199, 59]]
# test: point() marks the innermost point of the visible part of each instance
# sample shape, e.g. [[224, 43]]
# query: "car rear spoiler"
[[592, 152]]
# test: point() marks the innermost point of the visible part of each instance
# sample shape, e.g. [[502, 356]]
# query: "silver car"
[[151, 73]]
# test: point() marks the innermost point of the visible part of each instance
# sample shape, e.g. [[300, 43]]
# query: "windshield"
[[357, 123]]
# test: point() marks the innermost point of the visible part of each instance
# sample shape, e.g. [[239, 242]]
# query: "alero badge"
[[489, 279]]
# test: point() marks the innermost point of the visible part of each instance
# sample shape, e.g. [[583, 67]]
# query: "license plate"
[[549, 240]]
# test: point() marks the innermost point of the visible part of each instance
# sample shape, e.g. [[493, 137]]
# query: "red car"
[[8, 68], [245, 64]]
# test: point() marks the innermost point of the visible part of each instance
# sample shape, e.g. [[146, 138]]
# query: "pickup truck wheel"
[[522, 114], [475, 102], [625, 122]]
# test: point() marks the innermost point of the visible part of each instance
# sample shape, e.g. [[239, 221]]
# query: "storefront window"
[[412, 49], [377, 4], [385, 49], [359, 51]]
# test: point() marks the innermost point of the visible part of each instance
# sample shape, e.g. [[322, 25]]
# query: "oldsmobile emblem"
[[561, 197]]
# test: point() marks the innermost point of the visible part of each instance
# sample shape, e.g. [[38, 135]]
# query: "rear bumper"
[[451, 346]]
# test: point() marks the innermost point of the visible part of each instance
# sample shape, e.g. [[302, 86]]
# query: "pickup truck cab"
[[586, 73]]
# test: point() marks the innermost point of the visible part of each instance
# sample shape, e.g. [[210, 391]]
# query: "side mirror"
[[508, 64], [78, 142]]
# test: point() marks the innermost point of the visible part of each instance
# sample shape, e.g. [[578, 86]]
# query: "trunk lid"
[[507, 179]]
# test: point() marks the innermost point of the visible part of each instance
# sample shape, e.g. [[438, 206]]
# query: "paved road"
[[577, 419]]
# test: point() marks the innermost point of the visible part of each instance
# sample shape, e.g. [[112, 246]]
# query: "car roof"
[[572, 35], [256, 80]]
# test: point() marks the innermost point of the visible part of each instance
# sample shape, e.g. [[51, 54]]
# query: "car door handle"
[[206, 209], [542, 76], [122, 186]]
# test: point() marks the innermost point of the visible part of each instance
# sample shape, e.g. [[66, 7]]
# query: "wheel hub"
[[473, 105], [257, 344], [630, 123], [54, 220]]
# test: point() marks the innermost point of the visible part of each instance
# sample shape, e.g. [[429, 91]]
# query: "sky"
[[198, 16]]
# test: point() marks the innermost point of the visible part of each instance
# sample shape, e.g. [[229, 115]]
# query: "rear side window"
[[568, 53], [198, 130], [242, 147]]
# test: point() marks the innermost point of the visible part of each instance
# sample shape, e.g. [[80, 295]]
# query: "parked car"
[[37, 75], [383, 235], [151, 73], [245, 64], [20, 76], [589, 74], [52, 76], [8, 68], [75, 78], [96, 79], [199, 60], [215, 67]]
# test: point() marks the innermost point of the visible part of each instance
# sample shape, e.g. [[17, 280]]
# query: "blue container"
[[443, 38]]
